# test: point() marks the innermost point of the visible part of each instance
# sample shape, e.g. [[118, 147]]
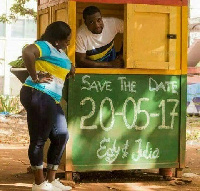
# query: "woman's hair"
[[90, 11], [58, 30]]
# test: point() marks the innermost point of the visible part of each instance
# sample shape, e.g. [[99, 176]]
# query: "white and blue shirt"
[[54, 62]]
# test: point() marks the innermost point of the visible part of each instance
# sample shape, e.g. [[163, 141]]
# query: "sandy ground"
[[14, 163]]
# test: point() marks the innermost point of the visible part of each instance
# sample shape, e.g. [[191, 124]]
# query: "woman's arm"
[[29, 55]]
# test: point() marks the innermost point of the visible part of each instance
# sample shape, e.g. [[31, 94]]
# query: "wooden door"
[[44, 19], [60, 12], [152, 40]]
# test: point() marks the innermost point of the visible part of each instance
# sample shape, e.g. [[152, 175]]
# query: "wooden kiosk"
[[135, 117]]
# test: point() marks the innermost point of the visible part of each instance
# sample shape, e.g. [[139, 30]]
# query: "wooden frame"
[[151, 2], [179, 68], [60, 9], [42, 25], [184, 41]]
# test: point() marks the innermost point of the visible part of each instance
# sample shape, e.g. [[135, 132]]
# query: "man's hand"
[[118, 62], [83, 62]]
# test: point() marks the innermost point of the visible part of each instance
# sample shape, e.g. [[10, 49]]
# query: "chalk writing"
[[125, 150], [146, 153], [173, 114], [124, 113], [83, 118], [106, 108], [127, 85], [110, 154], [154, 115], [167, 86], [95, 85], [137, 110], [101, 114]]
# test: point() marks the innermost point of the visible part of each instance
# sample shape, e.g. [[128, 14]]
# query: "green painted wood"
[[183, 105], [124, 121]]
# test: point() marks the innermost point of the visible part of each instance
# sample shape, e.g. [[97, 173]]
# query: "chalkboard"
[[124, 121]]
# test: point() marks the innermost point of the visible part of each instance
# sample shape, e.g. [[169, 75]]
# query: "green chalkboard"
[[124, 121]]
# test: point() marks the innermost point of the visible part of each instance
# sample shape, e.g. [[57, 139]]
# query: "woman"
[[48, 65]]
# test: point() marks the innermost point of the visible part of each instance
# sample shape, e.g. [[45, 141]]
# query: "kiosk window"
[[100, 43], [2, 29]]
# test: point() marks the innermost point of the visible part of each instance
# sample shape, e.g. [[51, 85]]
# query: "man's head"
[[93, 19]]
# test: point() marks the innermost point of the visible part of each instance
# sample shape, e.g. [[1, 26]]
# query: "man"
[[95, 41]]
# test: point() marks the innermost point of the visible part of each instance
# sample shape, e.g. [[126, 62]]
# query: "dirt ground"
[[14, 163]]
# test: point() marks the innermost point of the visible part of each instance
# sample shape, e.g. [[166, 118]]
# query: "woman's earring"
[[56, 44]]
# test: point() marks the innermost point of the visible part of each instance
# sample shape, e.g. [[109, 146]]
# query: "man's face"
[[94, 23]]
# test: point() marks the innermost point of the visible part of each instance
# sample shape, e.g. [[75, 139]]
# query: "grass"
[[10, 104], [193, 128]]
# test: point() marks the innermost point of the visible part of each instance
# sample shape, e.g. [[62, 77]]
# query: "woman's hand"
[[72, 72], [44, 77]]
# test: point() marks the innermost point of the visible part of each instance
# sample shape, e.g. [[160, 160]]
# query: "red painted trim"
[[42, 4], [152, 2], [185, 2], [194, 70], [49, 3]]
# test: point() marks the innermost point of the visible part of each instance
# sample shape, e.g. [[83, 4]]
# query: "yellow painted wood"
[[125, 71], [43, 20], [178, 45], [72, 24], [146, 39], [128, 38], [66, 12], [172, 49], [60, 12], [68, 155], [106, 8], [151, 65], [184, 39]]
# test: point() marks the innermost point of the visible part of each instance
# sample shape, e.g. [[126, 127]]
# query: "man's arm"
[[83, 62]]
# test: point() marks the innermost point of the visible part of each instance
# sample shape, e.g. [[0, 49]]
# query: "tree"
[[18, 8]]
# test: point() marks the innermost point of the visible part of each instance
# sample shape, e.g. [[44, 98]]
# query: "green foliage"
[[193, 135], [7, 18], [19, 63], [193, 128], [18, 8], [9, 104]]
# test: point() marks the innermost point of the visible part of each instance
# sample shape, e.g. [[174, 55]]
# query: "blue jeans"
[[45, 119]]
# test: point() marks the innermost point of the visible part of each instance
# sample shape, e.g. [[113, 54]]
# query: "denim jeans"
[[45, 119]]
